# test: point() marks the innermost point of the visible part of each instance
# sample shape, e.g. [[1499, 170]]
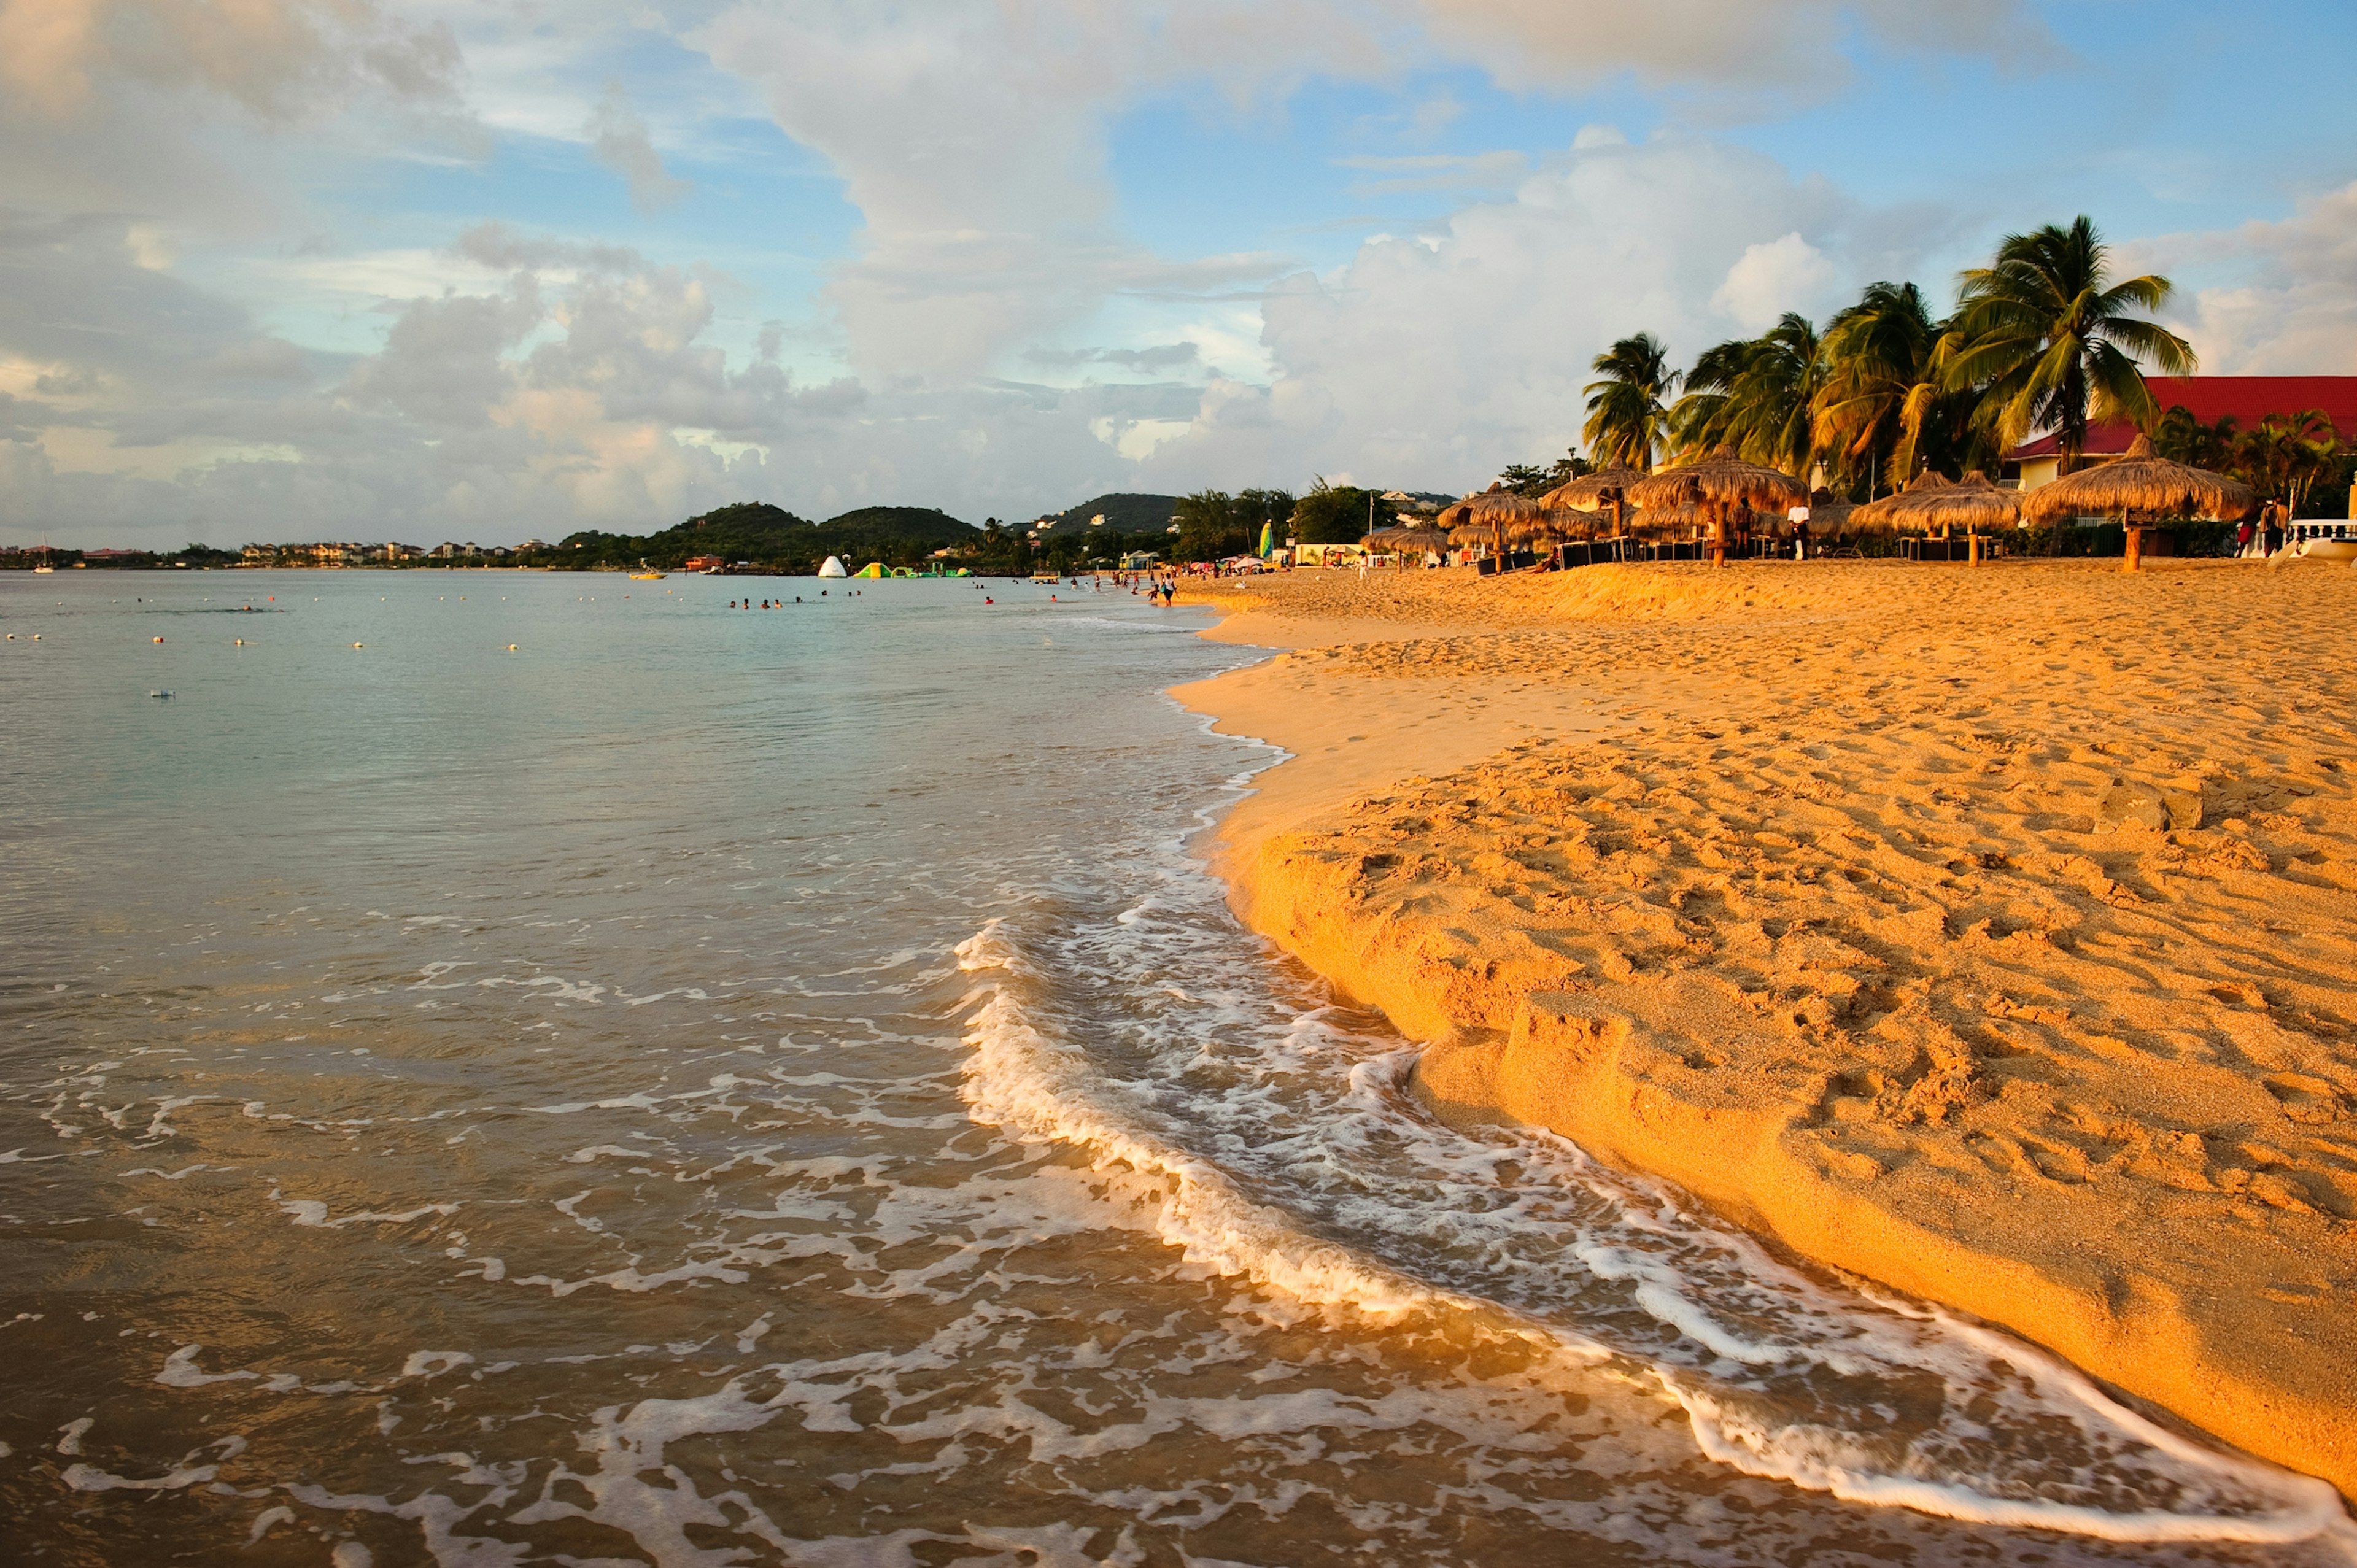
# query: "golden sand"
[[1988, 932]]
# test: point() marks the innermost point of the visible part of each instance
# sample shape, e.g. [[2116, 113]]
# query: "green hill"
[[902, 523], [1125, 513], [772, 539]]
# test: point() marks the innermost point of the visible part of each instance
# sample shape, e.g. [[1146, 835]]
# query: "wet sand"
[[1990, 933]]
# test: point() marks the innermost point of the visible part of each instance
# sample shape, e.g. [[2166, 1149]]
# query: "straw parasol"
[[1832, 518], [1453, 517], [2140, 482], [1550, 524], [1883, 515], [1721, 476], [1407, 539], [1975, 503], [1587, 492]]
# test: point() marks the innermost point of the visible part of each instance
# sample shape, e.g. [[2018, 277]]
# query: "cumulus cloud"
[[1763, 52], [618, 138], [2291, 306], [1438, 359], [1767, 280]]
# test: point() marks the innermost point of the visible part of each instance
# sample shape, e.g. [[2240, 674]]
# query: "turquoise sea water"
[[713, 1087]]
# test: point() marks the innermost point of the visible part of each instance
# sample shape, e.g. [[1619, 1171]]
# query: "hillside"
[[1124, 513], [772, 538]]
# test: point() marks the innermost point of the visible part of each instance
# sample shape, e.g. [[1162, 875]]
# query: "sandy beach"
[[1989, 933]]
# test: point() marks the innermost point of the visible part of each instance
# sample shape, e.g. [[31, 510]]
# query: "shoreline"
[[1988, 936]]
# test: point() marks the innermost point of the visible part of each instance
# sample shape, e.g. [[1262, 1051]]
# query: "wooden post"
[[1971, 547], [2136, 545]]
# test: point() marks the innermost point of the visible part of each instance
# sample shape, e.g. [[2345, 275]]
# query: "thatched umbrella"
[[1974, 502], [1452, 517], [1883, 516], [1497, 510], [1588, 493], [2144, 482], [1721, 476], [1407, 539], [1549, 525], [1832, 518]]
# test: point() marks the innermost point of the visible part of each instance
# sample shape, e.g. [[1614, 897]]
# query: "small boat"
[[2324, 541], [646, 573], [45, 569]]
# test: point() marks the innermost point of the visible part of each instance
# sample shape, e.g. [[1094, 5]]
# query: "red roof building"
[[2246, 399]]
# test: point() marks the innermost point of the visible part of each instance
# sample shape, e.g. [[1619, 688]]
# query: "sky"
[[285, 270]]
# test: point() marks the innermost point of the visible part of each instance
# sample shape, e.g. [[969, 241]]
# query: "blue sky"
[[302, 269]]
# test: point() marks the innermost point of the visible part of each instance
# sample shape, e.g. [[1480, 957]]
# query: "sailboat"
[[45, 569]]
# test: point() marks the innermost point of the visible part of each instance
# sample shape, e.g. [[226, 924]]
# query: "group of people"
[[781, 604], [2263, 538]]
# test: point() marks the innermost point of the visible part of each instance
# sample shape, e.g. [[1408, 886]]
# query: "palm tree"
[[2047, 337], [1699, 421], [2182, 438], [1627, 412], [1882, 382], [1756, 396], [2286, 456]]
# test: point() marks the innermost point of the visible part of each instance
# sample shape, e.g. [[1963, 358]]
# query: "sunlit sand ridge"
[[1986, 933]]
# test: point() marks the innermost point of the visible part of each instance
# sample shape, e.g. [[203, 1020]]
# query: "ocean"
[[504, 1069]]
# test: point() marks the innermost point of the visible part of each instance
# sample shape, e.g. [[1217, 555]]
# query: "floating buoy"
[[355, 645], [511, 648], [159, 640], [240, 643], [12, 637], [37, 637]]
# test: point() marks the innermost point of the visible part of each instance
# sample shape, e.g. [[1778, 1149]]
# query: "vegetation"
[[28, 556], [768, 538], [2043, 338], [1338, 514], [2046, 344], [2295, 457], [1628, 411], [1124, 513], [1213, 525]]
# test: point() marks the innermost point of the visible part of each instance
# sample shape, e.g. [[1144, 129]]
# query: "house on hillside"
[[2247, 400]]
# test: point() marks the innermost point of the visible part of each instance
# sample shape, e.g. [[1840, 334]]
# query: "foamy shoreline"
[[1829, 892]]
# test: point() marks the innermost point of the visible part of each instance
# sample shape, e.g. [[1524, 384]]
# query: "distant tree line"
[[2042, 338]]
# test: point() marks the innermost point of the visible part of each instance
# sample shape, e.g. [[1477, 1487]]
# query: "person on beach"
[[1800, 518], [2242, 533]]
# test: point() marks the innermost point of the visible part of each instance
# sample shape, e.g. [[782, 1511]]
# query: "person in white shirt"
[[1799, 516]]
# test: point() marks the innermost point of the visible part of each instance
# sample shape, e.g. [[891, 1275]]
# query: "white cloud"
[[1770, 279], [619, 138], [1432, 364], [2288, 306]]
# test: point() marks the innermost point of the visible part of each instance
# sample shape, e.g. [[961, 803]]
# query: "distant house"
[[103, 557], [2246, 400], [704, 564]]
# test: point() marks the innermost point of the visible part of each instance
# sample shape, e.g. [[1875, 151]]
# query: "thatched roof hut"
[[1587, 492], [1972, 504], [1550, 525], [1832, 517], [1721, 476], [1453, 517], [1882, 516], [1502, 507], [2141, 482], [1406, 540]]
